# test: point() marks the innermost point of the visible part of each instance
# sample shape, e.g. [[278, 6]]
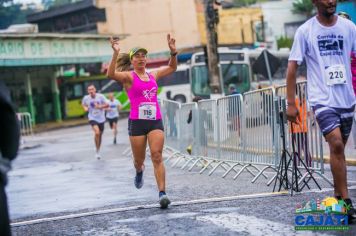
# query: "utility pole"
[[211, 21]]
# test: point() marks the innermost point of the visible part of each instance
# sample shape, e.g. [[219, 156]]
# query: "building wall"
[[149, 21], [276, 14], [236, 26]]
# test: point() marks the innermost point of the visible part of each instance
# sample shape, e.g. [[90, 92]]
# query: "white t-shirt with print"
[[112, 111], [95, 114], [326, 51]]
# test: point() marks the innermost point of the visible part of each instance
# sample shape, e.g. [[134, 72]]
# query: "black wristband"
[[173, 54]]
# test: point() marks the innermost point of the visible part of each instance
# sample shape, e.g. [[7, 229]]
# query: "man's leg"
[[114, 127], [337, 162], [97, 135]]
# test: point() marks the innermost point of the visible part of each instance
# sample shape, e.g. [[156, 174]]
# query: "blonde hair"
[[123, 62]]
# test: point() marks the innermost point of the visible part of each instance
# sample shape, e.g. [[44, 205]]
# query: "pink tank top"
[[143, 99]]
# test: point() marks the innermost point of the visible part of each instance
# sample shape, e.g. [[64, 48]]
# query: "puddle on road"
[[253, 225], [111, 231]]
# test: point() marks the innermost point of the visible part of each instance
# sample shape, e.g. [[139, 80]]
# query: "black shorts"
[[143, 127], [100, 125], [112, 121]]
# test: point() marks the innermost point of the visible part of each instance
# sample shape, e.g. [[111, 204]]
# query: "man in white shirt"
[[112, 113], [95, 104], [325, 42]]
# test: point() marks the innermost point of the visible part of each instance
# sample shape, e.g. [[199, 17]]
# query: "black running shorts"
[[143, 127], [100, 125], [112, 121]]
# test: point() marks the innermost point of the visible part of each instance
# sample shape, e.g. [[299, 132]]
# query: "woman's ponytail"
[[123, 62]]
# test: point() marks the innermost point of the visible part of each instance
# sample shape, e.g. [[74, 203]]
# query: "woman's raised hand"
[[171, 43], [115, 44]]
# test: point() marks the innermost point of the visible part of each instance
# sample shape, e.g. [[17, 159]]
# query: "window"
[[236, 74], [75, 91], [200, 81]]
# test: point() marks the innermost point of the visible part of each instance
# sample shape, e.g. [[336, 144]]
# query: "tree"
[[284, 42], [50, 4], [304, 7], [11, 13], [245, 3]]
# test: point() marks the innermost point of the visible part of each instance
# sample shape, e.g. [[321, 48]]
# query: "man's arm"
[[84, 105], [292, 111]]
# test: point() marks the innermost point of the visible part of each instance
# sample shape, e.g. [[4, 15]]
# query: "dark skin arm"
[[292, 111]]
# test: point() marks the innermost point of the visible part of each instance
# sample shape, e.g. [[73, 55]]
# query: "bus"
[[76, 88], [235, 67], [173, 87], [176, 86]]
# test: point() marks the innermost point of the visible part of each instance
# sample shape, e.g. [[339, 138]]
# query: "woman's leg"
[[155, 142], [138, 147]]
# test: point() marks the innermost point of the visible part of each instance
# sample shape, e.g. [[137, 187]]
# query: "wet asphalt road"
[[58, 176]]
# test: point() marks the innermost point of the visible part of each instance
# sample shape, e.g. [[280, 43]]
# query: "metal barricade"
[[25, 122], [206, 120], [260, 128], [230, 130], [171, 123], [305, 136], [240, 133]]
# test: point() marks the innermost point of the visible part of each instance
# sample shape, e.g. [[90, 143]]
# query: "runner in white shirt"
[[325, 42], [95, 104], [112, 113]]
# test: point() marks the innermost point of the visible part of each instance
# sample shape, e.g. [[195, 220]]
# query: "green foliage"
[[245, 3], [284, 42], [50, 4], [304, 7], [11, 13]]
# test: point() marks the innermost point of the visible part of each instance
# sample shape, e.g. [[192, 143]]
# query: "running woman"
[[112, 113], [325, 42], [145, 120], [95, 104]]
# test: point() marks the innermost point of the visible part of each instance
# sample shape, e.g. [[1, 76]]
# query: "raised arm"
[[121, 77], [292, 111], [172, 64]]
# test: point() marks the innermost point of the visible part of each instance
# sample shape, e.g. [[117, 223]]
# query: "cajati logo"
[[326, 214]]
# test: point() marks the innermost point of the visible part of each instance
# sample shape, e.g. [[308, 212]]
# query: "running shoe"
[[115, 140], [139, 180], [164, 201], [97, 156]]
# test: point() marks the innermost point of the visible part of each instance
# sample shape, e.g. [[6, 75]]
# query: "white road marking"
[[148, 206]]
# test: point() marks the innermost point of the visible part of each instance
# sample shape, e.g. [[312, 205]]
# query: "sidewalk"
[[53, 125]]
